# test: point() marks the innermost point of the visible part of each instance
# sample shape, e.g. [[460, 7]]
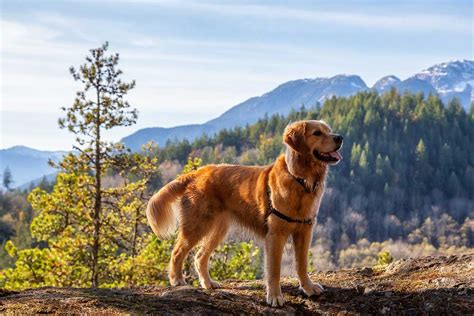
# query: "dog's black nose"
[[338, 139]]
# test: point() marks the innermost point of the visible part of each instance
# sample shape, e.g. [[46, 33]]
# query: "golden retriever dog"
[[275, 202]]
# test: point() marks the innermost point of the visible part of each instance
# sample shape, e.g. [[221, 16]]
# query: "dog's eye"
[[317, 133]]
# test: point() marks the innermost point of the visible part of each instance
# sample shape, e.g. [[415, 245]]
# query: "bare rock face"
[[428, 285]]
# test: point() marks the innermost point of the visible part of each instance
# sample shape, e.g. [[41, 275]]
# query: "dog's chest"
[[303, 204]]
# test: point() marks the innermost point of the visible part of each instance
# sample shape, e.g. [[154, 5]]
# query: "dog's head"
[[314, 138]]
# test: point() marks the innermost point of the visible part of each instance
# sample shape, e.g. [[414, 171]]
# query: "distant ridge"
[[448, 80], [281, 100], [27, 164]]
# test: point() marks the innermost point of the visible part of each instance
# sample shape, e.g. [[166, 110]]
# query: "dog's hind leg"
[[184, 244], [216, 234], [195, 220]]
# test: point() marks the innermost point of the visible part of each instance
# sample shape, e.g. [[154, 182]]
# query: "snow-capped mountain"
[[449, 77], [386, 83], [416, 85], [449, 80]]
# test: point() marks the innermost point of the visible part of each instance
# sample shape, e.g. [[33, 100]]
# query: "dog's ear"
[[294, 136]]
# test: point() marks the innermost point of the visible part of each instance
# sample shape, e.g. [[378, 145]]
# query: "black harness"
[[274, 211]]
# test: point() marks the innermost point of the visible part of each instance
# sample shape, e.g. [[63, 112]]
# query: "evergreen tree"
[[7, 178], [422, 167], [98, 107]]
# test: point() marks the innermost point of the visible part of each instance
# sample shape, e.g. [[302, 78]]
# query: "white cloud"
[[144, 42], [13, 32], [379, 20]]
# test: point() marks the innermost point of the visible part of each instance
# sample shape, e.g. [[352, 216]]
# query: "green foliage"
[[65, 225], [10, 248], [236, 260], [269, 148], [384, 258], [310, 262], [15, 217], [148, 267], [32, 267], [192, 165]]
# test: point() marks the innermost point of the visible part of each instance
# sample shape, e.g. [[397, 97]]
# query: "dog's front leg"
[[301, 242], [274, 244]]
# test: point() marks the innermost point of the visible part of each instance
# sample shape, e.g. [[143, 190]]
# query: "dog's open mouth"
[[332, 157]]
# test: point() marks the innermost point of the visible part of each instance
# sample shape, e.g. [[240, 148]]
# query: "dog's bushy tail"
[[160, 212]]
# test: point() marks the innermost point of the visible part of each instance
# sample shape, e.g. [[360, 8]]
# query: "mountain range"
[[28, 164], [448, 80]]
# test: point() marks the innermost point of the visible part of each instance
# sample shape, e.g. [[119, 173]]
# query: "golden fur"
[[208, 200]]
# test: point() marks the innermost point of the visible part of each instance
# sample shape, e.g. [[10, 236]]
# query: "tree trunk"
[[134, 242], [98, 199], [135, 232]]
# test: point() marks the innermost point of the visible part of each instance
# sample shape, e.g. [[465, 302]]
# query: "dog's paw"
[[211, 284], [275, 300], [312, 289], [177, 282]]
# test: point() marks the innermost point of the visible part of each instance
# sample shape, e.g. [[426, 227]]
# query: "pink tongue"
[[336, 155]]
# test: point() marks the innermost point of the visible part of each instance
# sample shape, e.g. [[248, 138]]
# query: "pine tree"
[[421, 151], [98, 107], [422, 174], [379, 165], [7, 178], [355, 154], [363, 159]]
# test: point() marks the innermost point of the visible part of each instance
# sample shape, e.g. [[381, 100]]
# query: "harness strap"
[[303, 183], [272, 210]]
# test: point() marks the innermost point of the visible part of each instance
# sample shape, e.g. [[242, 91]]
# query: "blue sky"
[[195, 59]]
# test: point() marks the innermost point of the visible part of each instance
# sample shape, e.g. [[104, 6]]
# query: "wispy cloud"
[[14, 33], [141, 41], [379, 20]]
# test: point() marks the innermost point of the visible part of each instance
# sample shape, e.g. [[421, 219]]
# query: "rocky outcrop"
[[428, 285]]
